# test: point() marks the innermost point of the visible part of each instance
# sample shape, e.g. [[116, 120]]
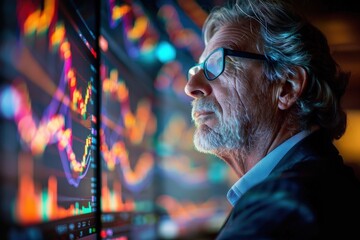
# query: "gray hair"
[[288, 40]]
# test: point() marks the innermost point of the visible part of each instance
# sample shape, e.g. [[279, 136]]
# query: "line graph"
[[53, 127], [126, 129], [55, 124], [49, 85]]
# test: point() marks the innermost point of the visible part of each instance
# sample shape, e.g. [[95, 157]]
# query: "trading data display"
[[128, 125], [48, 116], [96, 131], [152, 177]]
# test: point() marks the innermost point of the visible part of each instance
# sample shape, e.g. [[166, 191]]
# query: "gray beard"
[[224, 136]]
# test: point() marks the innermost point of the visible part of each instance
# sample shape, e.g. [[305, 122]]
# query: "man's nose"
[[198, 86]]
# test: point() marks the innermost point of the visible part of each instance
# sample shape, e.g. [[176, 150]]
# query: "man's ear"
[[292, 88]]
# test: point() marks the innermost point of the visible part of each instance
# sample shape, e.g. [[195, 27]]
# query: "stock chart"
[[96, 131]]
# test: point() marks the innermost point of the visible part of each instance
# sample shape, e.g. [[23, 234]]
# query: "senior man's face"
[[228, 110]]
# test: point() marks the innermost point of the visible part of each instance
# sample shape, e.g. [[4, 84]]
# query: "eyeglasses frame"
[[228, 52]]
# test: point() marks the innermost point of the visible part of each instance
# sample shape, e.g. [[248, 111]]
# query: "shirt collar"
[[263, 168]]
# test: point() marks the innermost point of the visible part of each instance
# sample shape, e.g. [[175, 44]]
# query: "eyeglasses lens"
[[214, 65]]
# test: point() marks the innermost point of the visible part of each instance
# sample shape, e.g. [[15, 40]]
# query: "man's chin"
[[202, 143], [203, 149]]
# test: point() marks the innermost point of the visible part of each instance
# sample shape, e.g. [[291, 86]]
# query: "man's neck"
[[241, 161]]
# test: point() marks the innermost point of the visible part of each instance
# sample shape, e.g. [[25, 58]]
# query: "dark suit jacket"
[[310, 194]]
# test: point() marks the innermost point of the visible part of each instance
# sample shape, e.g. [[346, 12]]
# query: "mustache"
[[202, 105]]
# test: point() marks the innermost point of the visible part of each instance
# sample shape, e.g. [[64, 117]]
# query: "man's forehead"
[[235, 36]]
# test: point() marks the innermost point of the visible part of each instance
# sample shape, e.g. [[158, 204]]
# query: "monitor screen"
[[48, 179], [128, 127], [152, 177], [96, 131]]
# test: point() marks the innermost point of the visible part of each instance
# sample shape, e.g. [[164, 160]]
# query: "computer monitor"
[[48, 99], [95, 133], [148, 158], [128, 127]]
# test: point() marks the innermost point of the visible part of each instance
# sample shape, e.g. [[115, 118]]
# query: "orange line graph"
[[35, 19], [48, 131], [118, 154], [52, 127], [136, 125], [32, 19], [128, 127]]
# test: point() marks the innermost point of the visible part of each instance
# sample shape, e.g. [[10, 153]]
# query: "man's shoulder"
[[314, 146], [315, 185], [274, 207]]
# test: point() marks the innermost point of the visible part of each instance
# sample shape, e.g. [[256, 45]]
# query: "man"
[[267, 101]]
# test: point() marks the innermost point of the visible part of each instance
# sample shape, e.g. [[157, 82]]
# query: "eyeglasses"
[[214, 64]]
